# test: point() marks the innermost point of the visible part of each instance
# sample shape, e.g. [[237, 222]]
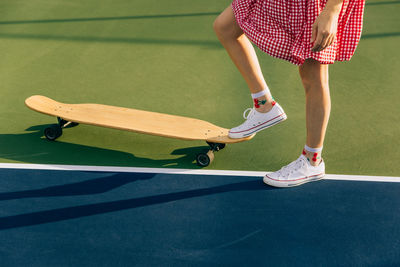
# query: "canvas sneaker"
[[257, 121], [296, 173]]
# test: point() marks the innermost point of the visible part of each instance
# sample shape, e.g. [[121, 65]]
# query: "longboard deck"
[[134, 120]]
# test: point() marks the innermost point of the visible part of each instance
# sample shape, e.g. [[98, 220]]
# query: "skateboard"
[[134, 120]]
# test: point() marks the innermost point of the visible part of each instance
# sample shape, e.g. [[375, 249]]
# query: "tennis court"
[[85, 200]]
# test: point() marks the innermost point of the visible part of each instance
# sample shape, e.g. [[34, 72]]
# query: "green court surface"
[[163, 56]]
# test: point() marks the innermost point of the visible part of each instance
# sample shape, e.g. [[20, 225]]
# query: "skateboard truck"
[[204, 159]]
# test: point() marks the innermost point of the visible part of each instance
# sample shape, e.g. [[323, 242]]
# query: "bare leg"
[[242, 53], [314, 76]]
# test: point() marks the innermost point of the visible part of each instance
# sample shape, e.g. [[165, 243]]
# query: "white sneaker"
[[257, 121], [296, 173]]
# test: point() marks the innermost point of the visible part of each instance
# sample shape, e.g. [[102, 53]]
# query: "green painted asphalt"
[[164, 57]]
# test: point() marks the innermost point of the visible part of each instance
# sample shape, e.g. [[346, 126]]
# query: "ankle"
[[314, 158], [263, 101], [263, 104], [314, 163]]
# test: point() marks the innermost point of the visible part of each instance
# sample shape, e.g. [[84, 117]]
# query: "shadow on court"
[[380, 35], [32, 147], [88, 187], [90, 39], [161, 16], [154, 41], [104, 185], [157, 16], [383, 3], [145, 41]]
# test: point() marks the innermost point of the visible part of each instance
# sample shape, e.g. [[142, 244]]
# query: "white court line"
[[341, 177]]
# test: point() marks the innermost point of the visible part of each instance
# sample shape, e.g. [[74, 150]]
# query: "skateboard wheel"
[[53, 132], [204, 159]]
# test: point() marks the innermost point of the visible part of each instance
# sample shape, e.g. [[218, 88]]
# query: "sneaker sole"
[[276, 183], [281, 118]]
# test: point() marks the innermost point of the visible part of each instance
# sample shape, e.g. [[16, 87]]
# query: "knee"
[[219, 26], [314, 85], [307, 81], [314, 77], [223, 28]]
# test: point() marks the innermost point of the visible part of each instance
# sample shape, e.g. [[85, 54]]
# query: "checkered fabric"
[[283, 28]]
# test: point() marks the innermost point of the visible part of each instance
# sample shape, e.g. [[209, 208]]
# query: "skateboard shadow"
[[32, 147]]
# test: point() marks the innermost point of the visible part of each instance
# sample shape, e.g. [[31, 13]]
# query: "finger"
[[314, 32], [332, 40], [324, 42], [329, 42], [317, 44]]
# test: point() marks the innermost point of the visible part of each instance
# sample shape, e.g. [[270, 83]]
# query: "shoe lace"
[[292, 167], [248, 113]]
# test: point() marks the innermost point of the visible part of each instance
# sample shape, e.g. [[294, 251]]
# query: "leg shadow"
[[61, 214], [89, 187]]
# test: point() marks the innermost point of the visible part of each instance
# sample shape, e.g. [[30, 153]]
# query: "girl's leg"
[[242, 53], [314, 76]]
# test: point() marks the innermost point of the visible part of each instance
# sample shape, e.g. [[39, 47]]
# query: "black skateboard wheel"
[[53, 132], [204, 159]]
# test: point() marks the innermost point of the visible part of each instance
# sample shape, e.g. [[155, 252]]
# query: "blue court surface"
[[96, 218]]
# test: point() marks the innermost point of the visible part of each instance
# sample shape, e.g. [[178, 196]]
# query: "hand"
[[324, 30]]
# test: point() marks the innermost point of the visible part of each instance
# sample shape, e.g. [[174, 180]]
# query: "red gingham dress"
[[283, 28]]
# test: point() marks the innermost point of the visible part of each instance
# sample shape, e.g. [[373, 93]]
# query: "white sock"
[[314, 150], [266, 91], [258, 102]]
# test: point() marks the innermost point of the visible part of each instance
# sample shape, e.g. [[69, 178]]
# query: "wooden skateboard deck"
[[134, 120]]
